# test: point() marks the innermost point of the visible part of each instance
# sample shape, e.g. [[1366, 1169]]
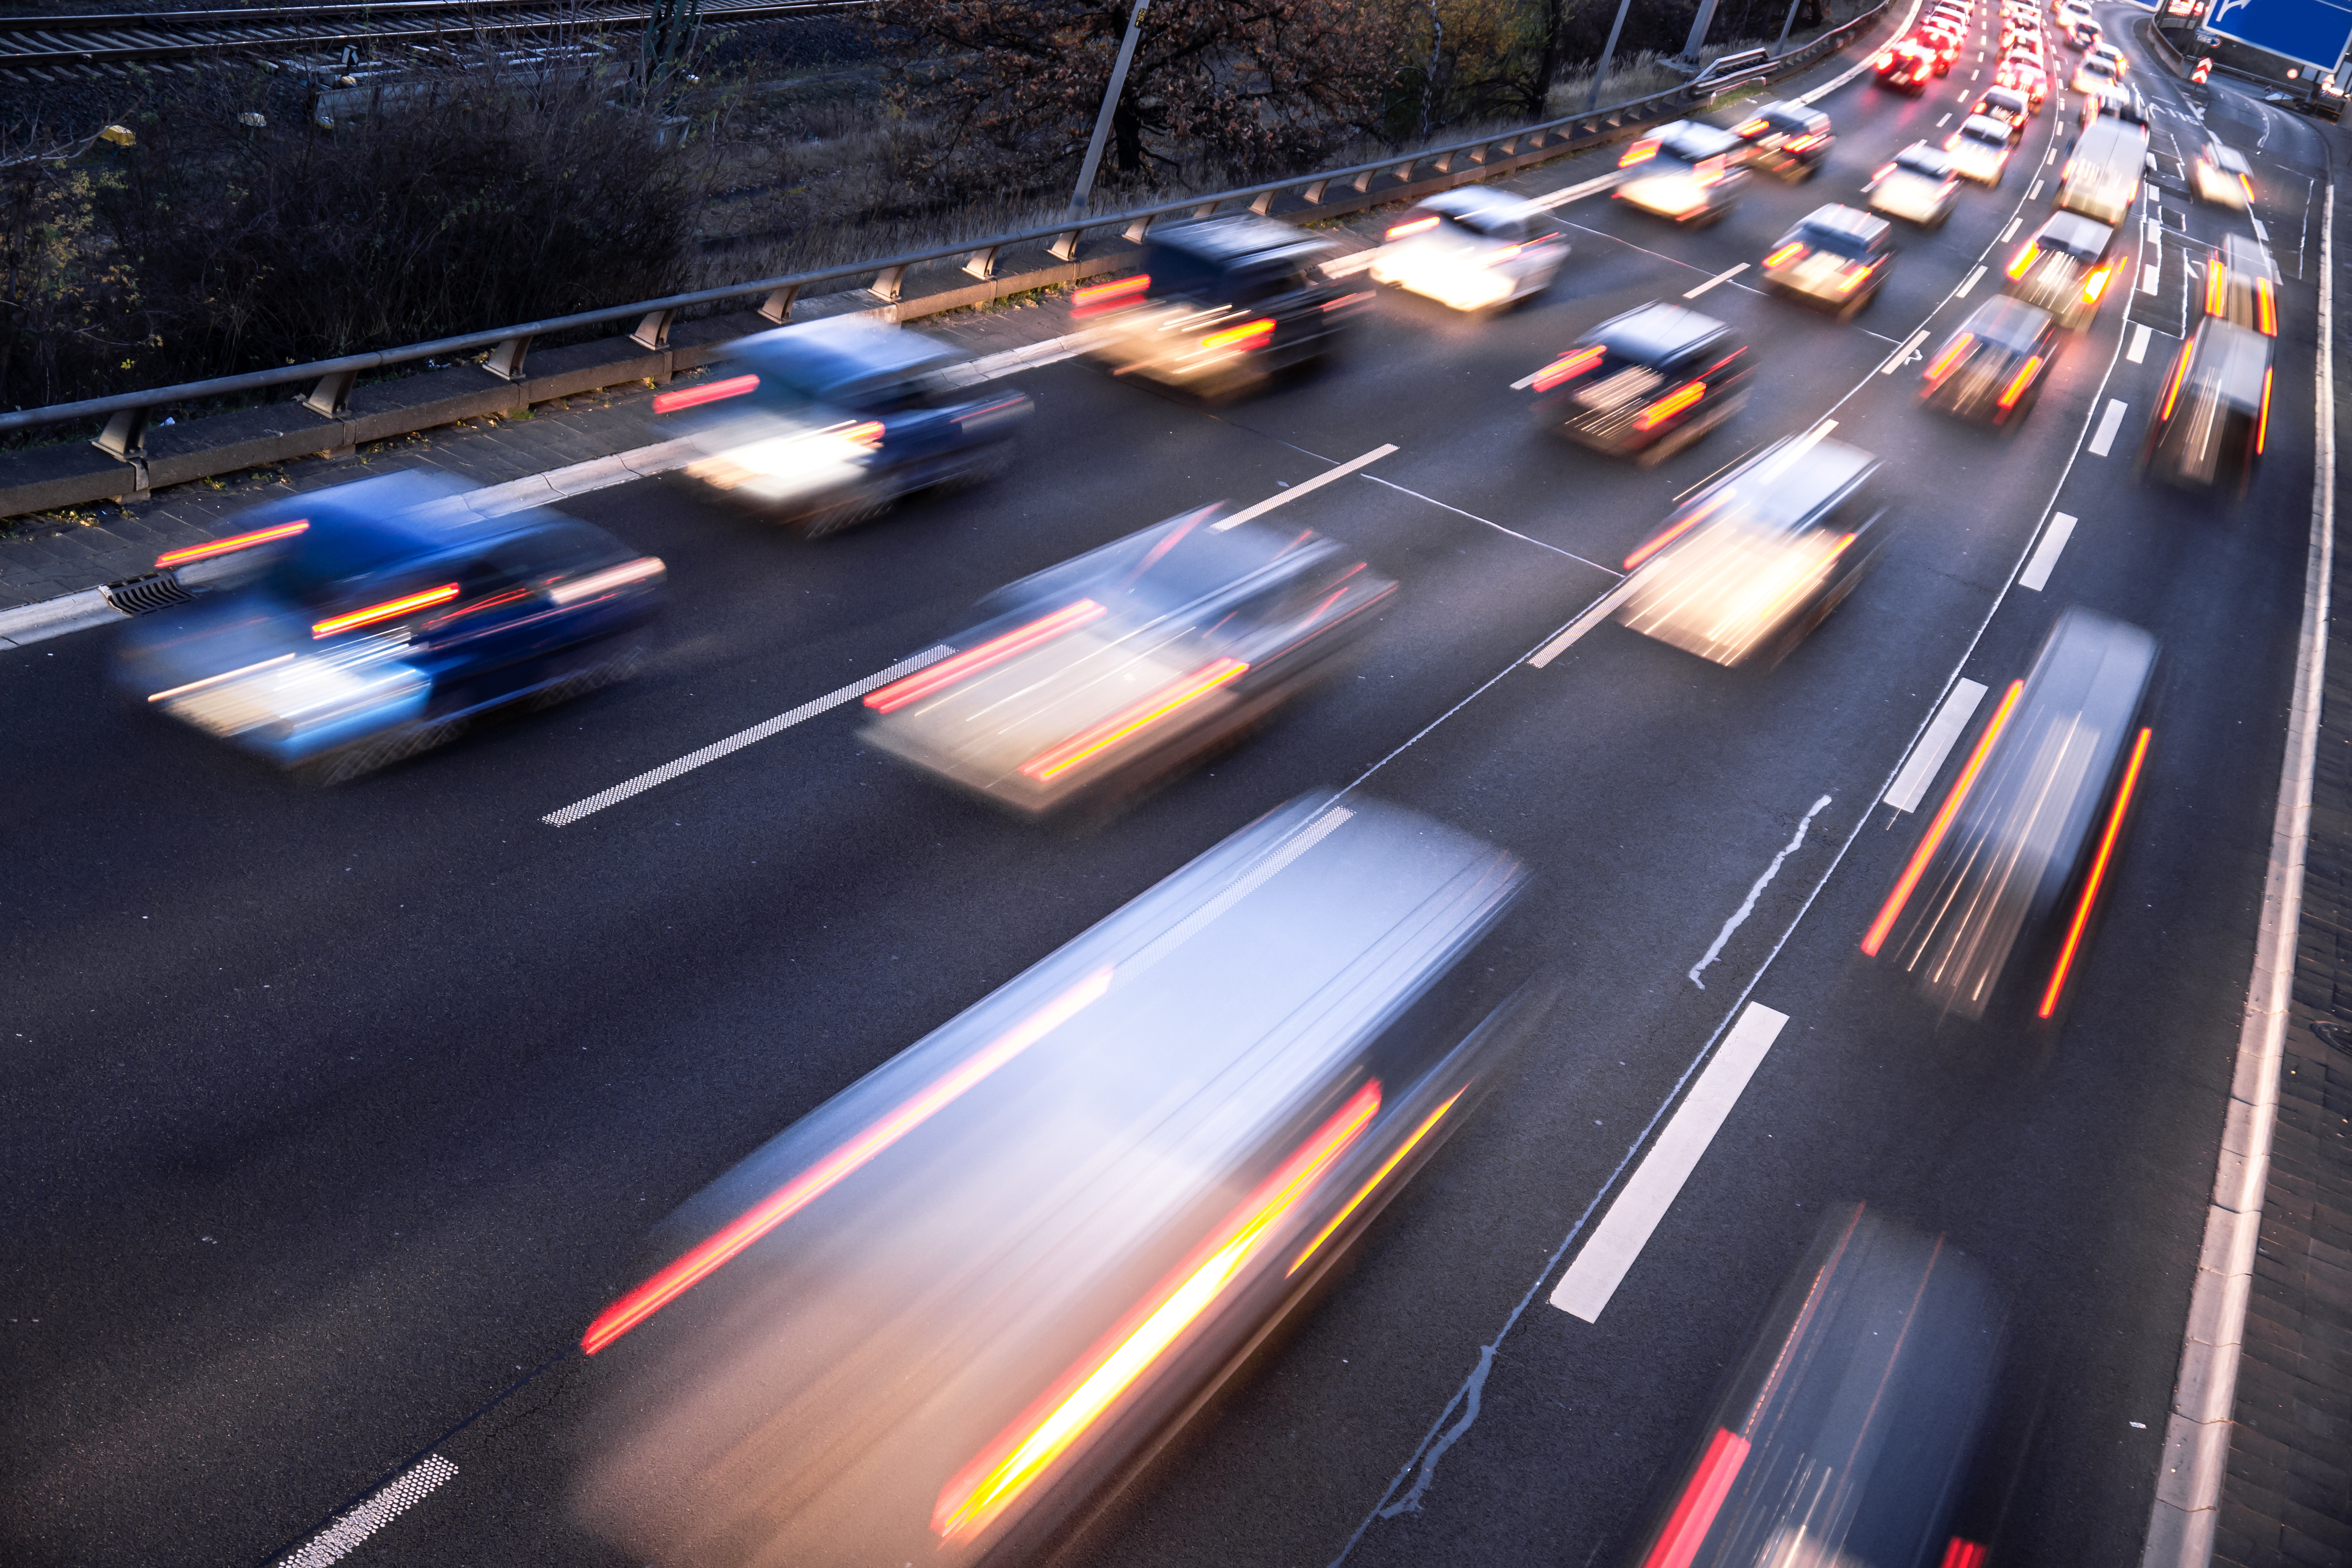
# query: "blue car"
[[357, 625], [826, 424]]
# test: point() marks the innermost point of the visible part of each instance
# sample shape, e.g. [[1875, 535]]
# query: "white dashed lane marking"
[[2036, 575], [1935, 742], [2109, 423]]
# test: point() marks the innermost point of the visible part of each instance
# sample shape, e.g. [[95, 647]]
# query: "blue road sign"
[[2312, 31]]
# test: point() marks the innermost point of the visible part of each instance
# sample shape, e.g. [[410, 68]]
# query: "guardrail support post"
[[1313, 194], [1064, 246], [1138, 229], [505, 360], [983, 263], [125, 435], [1204, 209], [887, 284], [778, 305], [1404, 171], [1259, 202], [333, 394], [1507, 145], [653, 331], [1363, 182]]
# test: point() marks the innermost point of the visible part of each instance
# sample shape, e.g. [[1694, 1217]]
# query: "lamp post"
[[1110, 103]]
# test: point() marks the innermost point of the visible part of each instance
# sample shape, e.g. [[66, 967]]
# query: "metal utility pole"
[[1783, 44], [1699, 25], [1608, 53], [1110, 103]]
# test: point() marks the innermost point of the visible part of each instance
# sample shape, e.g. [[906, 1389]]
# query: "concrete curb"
[[2182, 1520]]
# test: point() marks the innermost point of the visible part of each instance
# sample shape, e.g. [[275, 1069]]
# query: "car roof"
[[1836, 217], [2231, 359], [1692, 141], [1984, 127], [1484, 201], [2007, 321], [2240, 253], [2075, 235], [1234, 239], [1794, 478], [1921, 158], [1654, 334], [2227, 157], [2005, 95], [840, 349]]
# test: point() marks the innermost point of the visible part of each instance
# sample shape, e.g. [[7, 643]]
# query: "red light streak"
[[689, 397], [1662, 541], [1935, 835], [821, 1178], [2262, 426], [2217, 278], [1952, 352], [1379, 1177], [2266, 309], [385, 611], [1104, 297], [1671, 404], [1119, 726], [1959, 1553], [1701, 1501], [1244, 336], [971, 662], [223, 546], [2098, 872], [1788, 252], [1418, 226], [2172, 388], [1568, 367], [2016, 388], [2024, 259]]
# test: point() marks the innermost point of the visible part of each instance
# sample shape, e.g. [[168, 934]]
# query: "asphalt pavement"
[[337, 1115]]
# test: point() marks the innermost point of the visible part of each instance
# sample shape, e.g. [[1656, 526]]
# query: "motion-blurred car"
[[2066, 269], [1786, 138], [1837, 256], [1848, 1434], [2102, 176], [2211, 428], [1221, 305], [1979, 149], [2095, 73], [369, 622], [2082, 32], [1991, 368], [943, 1314], [1685, 170], [2115, 101], [1905, 66], [2220, 175], [1646, 383], [1746, 569], [2241, 284], [1918, 186], [1995, 904], [1100, 675], [2026, 74], [1472, 249], [828, 424], [2113, 56], [2007, 105]]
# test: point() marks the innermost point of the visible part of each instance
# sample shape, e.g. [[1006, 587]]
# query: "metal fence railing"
[[330, 380]]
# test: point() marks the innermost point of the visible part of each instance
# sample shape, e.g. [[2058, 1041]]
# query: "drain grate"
[[155, 591]]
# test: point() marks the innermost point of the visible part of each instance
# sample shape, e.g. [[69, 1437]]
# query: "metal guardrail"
[[331, 380]]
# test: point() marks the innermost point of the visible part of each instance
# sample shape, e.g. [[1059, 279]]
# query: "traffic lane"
[[627, 904]]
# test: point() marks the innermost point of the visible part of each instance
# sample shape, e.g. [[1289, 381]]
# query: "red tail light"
[[1248, 335], [1749, 127], [2098, 871], [2172, 388], [1647, 147], [1950, 356], [1959, 1553], [1787, 253], [2262, 424], [1671, 404], [1568, 367], [1877, 936], [1850, 277], [390, 609], [1676, 531], [2096, 284], [1799, 143], [2023, 379], [1119, 726], [1101, 297], [1701, 1501], [2024, 259], [2265, 309], [2217, 286], [171, 558], [971, 662], [692, 397]]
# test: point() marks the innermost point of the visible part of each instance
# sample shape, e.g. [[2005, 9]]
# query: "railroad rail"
[[67, 48]]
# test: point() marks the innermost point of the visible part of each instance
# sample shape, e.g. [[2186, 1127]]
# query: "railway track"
[[68, 48]]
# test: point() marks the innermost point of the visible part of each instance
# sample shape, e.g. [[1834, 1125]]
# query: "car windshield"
[[1986, 130], [1836, 241]]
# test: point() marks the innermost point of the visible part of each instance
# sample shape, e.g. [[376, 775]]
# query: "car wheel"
[[363, 757], [864, 507], [595, 678], [989, 465]]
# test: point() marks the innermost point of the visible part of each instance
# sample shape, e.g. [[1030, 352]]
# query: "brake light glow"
[[1676, 531], [2024, 378], [1119, 726], [1568, 367], [171, 558], [1950, 356], [1671, 404], [1787, 253], [1390, 1163], [1748, 128], [973, 1499], [1850, 277], [1418, 226], [386, 611], [1647, 147], [2265, 309], [2098, 871], [691, 396], [1884, 170], [1245, 336], [2024, 259], [1799, 143], [1959, 1553], [2262, 424], [972, 660], [1877, 936], [829, 1173], [2172, 388], [1701, 1501], [1101, 297], [2217, 280], [868, 433], [2096, 284]]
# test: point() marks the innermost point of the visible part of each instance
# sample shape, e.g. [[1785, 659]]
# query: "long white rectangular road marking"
[[1895, 361], [2109, 423], [1584, 1290], [2051, 159], [1968, 283], [391, 1501], [741, 739], [1295, 491], [2036, 575], [2035, 193], [1946, 120], [2148, 276], [1719, 277], [2259, 232], [1936, 743], [2138, 353]]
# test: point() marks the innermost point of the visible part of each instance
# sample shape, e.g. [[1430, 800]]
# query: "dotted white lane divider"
[[395, 1498], [741, 739]]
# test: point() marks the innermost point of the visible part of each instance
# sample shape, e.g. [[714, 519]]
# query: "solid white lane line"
[[1576, 193], [1895, 361], [1969, 283], [1573, 633], [2139, 350], [1719, 277], [2149, 277], [1935, 742], [2108, 424], [2036, 575], [1756, 890], [620, 792], [2011, 228], [391, 1501], [1584, 1290], [1497, 527], [1282, 498], [2035, 193]]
